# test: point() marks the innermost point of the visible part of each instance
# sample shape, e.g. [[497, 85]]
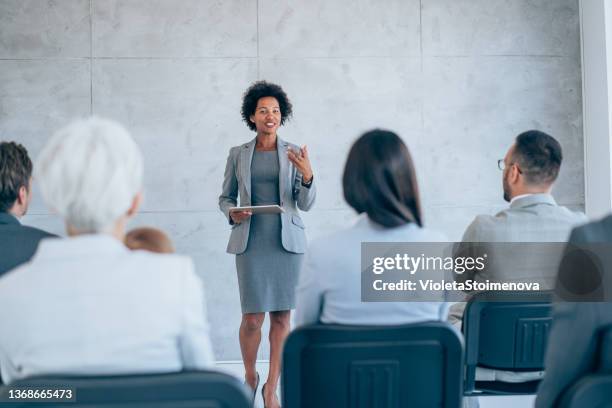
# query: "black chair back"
[[505, 331], [593, 391], [418, 365], [197, 389]]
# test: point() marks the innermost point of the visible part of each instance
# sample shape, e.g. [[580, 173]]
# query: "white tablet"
[[260, 209]]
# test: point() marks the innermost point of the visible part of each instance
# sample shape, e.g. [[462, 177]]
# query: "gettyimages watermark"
[[435, 271]]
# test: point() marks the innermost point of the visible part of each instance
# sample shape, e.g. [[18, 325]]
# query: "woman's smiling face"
[[267, 116]]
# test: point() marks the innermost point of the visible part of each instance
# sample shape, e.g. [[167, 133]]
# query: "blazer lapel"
[[283, 165], [246, 157]]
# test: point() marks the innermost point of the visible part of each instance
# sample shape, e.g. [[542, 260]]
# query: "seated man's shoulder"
[[36, 232], [487, 227], [557, 213], [25, 230], [571, 215], [487, 221]]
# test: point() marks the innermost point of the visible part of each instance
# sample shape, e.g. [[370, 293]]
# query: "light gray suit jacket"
[[293, 195], [534, 218], [577, 325]]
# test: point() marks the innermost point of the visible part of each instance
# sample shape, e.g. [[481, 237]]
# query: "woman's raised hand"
[[301, 161]]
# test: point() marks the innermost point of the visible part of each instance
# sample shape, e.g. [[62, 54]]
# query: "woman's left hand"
[[301, 161]]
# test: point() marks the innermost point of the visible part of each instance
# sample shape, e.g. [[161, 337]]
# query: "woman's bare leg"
[[250, 337], [279, 329]]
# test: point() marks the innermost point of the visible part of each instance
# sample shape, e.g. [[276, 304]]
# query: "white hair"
[[90, 172]]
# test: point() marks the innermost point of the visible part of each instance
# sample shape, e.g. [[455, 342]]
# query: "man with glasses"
[[529, 171]]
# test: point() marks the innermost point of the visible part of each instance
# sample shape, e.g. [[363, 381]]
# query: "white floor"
[[236, 368], [507, 402]]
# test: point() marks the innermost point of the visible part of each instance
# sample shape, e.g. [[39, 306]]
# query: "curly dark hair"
[[15, 172], [261, 89]]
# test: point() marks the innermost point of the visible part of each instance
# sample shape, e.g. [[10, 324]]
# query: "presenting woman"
[[269, 247]]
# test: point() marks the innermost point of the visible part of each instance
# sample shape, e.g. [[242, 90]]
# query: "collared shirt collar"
[[518, 197], [8, 219], [526, 200]]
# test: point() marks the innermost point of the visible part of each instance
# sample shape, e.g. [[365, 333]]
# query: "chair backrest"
[[594, 390], [195, 389], [417, 365], [506, 331]]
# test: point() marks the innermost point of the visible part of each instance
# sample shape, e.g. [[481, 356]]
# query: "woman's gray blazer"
[[292, 193]]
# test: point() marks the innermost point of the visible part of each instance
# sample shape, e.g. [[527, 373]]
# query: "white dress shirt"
[[329, 288], [518, 197], [88, 305]]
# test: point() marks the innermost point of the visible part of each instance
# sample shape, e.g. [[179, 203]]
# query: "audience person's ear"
[[514, 173], [135, 204], [22, 196]]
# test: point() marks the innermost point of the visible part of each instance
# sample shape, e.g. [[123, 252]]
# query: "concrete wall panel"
[[44, 29], [457, 80], [322, 28], [501, 27], [186, 28]]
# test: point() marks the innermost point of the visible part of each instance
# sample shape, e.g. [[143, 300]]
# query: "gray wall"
[[456, 78]]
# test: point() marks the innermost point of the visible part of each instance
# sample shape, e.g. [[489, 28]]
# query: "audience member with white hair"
[[86, 304]]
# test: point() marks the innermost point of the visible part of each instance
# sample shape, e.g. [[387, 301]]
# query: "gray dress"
[[267, 273]]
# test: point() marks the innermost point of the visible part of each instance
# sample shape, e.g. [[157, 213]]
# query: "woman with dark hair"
[[269, 247], [379, 182]]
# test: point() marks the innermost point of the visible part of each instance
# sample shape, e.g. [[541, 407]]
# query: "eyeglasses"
[[501, 164]]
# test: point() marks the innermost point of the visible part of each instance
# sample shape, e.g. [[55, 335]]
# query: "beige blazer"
[[293, 195]]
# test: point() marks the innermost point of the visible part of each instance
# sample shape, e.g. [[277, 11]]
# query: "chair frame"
[[301, 338], [191, 389], [476, 306]]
